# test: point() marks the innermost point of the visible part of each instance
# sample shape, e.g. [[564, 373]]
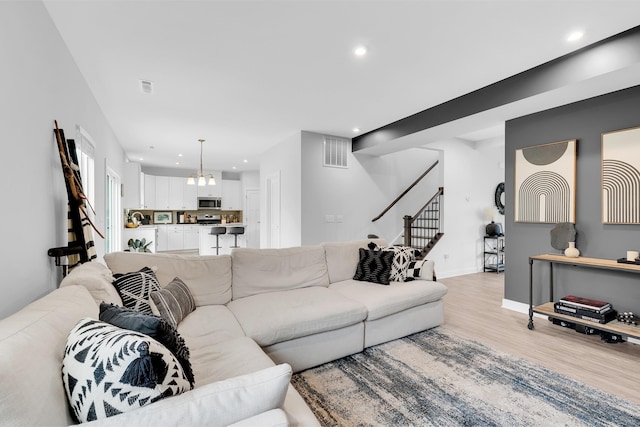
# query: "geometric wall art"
[[621, 177], [545, 183]]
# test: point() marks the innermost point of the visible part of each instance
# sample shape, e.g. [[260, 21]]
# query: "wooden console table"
[[547, 308]]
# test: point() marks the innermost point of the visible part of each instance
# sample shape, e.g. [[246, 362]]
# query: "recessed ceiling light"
[[356, 130], [141, 159], [360, 51], [245, 161], [177, 163], [233, 167], [575, 36], [179, 155]]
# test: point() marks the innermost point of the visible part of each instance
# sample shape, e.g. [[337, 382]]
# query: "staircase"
[[423, 230]]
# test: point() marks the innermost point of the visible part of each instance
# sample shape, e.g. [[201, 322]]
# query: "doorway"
[[273, 210], [252, 217], [113, 216]]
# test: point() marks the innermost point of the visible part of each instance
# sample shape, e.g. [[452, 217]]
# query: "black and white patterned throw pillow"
[[421, 270], [374, 266], [402, 256], [174, 302], [107, 370], [135, 287]]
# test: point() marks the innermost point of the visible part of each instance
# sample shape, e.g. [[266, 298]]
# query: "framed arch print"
[[621, 177], [545, 183]]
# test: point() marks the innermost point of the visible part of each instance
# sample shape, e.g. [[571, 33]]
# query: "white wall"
[[471, 173], [284, 158], [40, 82], [361, 191]]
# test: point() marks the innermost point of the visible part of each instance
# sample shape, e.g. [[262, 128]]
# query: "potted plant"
[[139, 245]]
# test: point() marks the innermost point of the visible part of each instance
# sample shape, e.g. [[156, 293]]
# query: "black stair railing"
[[424, 229], [392, 204]]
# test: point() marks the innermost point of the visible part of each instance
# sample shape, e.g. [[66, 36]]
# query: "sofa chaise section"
[[393, 311]]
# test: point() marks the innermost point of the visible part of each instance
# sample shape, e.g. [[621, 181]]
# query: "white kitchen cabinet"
[[162, 237], [211, 190], [231, 195], [162, 193], [191, 237], [175, 238], [176, 192], [132, 189], [149, 199], [190, 196]]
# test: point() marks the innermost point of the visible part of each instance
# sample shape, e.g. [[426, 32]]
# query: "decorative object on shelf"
[[163, 217], [626, 261], [202, 178], [632, 255], [499, 198], [562, 234], [494, 229], [621, 176], [139, 245], [572, 251], [546, 172], [132, 220]]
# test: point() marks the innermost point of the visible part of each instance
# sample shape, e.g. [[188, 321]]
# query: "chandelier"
[[202, 178]]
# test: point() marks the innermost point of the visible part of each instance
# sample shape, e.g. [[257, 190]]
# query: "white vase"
[[572, 251]]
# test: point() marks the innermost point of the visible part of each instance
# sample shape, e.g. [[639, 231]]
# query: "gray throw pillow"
[[174, 302]]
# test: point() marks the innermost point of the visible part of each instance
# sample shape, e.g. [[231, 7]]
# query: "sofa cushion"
[[32, 344], [97, 278], [382, 301], [210, 318], [208, 277], [135, 287], [107, 370], [342, 257], [174, 302], [374, 266], [154, 326], [257, 271], [295, 313]]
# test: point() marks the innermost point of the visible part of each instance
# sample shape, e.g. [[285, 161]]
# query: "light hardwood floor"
[[473, 309]]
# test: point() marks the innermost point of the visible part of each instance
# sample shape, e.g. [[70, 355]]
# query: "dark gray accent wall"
[[584, 121]]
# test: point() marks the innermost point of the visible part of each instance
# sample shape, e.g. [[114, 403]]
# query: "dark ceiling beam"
[[613, 53]]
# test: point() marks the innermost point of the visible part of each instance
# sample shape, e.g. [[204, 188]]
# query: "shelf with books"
[[587, 312]]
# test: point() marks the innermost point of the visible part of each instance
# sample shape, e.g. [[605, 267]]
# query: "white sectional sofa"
[[260, 314]]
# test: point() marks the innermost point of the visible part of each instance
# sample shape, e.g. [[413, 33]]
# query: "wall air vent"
[[146, 87], [336, 152]]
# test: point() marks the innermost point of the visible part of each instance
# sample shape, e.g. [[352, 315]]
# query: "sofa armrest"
[[216, 404], [273, 418]]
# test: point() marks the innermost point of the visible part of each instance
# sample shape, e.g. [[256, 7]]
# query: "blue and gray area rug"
[[436, 378]]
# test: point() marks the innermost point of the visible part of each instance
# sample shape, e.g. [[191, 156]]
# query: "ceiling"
[[245, 75]]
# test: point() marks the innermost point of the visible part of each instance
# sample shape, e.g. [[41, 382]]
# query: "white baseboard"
[[520, 307]]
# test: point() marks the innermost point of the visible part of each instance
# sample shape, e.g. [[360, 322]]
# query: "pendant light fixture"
[[202, 178]]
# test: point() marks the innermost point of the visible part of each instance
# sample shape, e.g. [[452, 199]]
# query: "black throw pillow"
[[374, 266], [154, 326]]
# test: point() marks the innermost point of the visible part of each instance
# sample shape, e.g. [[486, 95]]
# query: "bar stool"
[[217, 231], [235, 231]]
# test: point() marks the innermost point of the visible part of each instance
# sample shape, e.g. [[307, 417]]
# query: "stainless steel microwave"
[[209, 203]]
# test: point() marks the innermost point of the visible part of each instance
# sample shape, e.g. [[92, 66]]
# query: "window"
[[85, 148]]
